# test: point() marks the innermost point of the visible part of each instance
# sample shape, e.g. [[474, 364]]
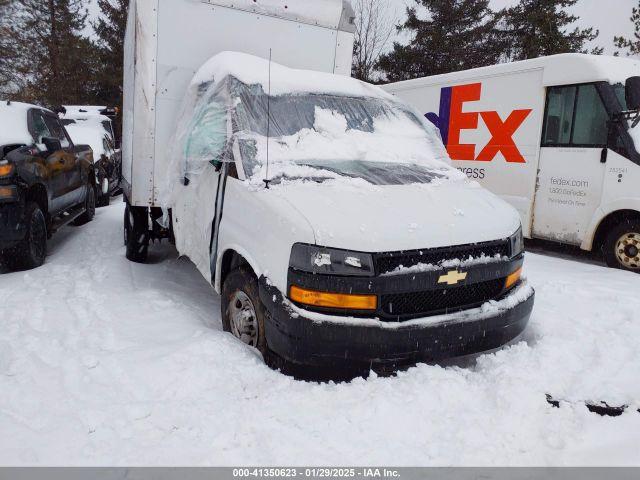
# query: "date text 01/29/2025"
[[316, 472]]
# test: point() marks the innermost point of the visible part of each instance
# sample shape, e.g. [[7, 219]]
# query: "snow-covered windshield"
[[323, 136]]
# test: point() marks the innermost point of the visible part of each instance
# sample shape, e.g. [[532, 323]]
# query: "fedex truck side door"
[[571, 167]]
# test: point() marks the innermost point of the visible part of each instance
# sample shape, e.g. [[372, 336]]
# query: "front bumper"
[[310, 338]]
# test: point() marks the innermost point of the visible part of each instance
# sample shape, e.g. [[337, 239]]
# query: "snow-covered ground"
[[106, 362]]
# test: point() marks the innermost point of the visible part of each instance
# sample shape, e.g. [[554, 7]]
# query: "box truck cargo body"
[[553, 136], [167, 41]]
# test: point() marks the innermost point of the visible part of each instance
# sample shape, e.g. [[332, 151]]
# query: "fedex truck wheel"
[[621, 248], [243, 314]]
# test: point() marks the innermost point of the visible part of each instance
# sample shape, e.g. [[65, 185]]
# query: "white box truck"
[[556, 136], [324, 211]]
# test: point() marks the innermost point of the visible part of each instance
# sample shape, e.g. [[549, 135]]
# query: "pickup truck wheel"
[[89, 206], [621, 247], [242, 311], [136, 233], [32, 251]]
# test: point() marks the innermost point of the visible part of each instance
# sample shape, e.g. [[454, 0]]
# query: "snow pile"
[[281, 80], [13, 123], [394, 139], [106, 362]]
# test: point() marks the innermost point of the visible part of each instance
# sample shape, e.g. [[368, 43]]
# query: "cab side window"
[[39, 128], [559, 117], [575, 117], [57, 130]]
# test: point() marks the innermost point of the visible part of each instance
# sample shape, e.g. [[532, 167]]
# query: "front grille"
[[433, 302], [388, 262]]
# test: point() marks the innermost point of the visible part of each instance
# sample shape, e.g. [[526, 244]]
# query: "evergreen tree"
[[632, 46], [56, 61], [110, 29], [455, 35], [8, 56], [539, 27]]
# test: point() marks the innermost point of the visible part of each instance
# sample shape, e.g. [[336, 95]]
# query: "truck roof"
[[562, 69], [282, 80], [13, 122]]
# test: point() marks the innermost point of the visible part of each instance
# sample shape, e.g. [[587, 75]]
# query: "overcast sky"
[[611, 17]]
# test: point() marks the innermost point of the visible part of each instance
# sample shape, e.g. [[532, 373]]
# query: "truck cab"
[[327, 215]]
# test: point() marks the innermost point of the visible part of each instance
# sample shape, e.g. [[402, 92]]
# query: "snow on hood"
[[253, 70], [359, 216], [13, 123]]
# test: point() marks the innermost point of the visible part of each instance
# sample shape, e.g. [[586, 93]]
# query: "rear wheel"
[[32, 251], [621, 248], [243, 314], [136, 233]]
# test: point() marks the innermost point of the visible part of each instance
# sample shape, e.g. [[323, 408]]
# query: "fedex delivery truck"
[[557, 137], [167, 41]]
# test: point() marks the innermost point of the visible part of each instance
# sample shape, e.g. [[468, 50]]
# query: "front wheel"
[[243, 314], [621, 248], [30, 252]]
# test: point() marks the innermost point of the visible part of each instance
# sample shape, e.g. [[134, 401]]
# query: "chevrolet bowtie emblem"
[[453, 277]]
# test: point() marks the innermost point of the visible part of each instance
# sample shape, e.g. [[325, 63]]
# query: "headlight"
[[517, 243], [314, 259]]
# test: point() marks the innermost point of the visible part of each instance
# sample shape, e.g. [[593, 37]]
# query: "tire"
[[136, 233], [621, 247], [32, 251], [89, 206], [103, 201], [243, 314]]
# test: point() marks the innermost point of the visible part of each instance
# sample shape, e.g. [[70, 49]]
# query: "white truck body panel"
[[168, 41], [562, 193]]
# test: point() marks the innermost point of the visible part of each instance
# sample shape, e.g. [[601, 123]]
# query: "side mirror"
[[632, 93], [52, 144]]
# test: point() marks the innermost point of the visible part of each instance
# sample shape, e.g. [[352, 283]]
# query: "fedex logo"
[[452, 120]]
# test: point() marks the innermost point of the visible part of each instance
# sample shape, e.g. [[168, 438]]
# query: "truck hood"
[[370, 218]]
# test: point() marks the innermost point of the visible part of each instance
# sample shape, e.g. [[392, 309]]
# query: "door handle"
[[603, 155]]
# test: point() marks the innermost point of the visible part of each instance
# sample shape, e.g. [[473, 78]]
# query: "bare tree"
[[375, 23]]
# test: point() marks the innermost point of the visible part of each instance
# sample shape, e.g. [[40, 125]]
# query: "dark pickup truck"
[[45, 182]]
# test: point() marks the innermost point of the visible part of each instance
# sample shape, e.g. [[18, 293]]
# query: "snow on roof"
[[13, 123], [87, 134], [325, 13], [253, 70], [563, 69]]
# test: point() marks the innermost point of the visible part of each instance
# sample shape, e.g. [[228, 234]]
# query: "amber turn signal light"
[[513, 278], [6, 170], [333, 300]]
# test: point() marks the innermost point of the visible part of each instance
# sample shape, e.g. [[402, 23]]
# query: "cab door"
[[572, 163], [53, 162], [70, 162]]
